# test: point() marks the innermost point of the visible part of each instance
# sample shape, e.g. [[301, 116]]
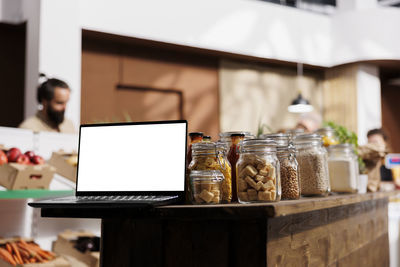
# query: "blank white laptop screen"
[[145, 157]]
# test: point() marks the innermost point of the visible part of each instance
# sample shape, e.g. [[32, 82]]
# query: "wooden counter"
[[339, 230]]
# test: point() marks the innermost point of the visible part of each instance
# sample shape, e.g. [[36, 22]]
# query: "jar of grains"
[[258, 173], [343, 168], [206, 186], [212, 156], [288, 165], [313, 165]]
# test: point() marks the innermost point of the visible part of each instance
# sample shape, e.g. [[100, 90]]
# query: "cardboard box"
[[57, 262], [59, 161], [64, 246], [18, 176]]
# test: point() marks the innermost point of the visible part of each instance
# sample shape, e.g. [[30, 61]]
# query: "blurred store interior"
[[224, 65]]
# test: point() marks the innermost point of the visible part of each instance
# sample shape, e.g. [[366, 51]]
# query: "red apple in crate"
[[30, 154], [37, 160], [23, 159], [13, 154], [3, 157]]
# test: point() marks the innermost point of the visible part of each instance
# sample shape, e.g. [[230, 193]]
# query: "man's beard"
[[57, 117]]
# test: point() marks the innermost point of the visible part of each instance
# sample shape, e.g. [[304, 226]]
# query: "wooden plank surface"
[[350, 235], [282, 208]]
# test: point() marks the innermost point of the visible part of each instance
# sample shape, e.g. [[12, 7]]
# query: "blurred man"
[[53, 95], [379, 138], [309, 122]]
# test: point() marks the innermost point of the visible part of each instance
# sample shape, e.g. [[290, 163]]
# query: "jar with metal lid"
[[312, 158], [288, 165], [212, 156], [206, 186], [226, 136], [343, 168], [258, 173], [328, 136], [195, 137]]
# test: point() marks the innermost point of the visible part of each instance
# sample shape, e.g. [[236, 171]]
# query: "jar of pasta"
[[212, 156], [258, 172], [206, 186]]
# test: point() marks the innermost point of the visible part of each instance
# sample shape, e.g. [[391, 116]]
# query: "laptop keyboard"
[[124, 198]]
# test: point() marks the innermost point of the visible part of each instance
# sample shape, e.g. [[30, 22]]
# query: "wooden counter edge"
[[288, 207]]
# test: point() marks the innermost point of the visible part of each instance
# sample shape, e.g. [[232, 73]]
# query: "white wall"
[[366, 34], [244, 27], [369, 115], [60, 48]]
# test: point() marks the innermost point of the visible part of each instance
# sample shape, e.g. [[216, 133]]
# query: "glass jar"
[[258, 173], [195, 137], [343, 168], [328, 136], [233, 156], [211, 156], [288, 165], [312, 158], [206, 186]]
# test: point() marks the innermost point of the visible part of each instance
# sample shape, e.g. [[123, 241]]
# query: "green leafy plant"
[[346, 136]]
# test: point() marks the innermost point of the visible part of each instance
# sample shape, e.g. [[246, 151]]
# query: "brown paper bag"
[[372, 155]]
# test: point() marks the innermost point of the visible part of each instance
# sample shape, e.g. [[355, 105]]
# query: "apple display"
[[30, 154], [23, 159], [3, 157], [13, 154], [38, 160]]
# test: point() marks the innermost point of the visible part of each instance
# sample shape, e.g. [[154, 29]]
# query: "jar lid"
[[343, 147], [307, 138], [206, 174], [324, 131], [294, 132], [229, 134], [258, 145], [195, 134], [281, 139], [204, 146]]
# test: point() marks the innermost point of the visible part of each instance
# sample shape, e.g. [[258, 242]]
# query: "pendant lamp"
[[300, 104]]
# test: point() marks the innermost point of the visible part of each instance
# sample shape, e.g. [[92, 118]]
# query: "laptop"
[[128, 164]]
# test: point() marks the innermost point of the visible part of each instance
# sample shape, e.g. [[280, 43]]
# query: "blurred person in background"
[[379, 138], [309, 122], [53, 96]]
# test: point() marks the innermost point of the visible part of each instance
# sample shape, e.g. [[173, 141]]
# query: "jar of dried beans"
[[212, 156], [258, 173], [313, 165], [288, 165]]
